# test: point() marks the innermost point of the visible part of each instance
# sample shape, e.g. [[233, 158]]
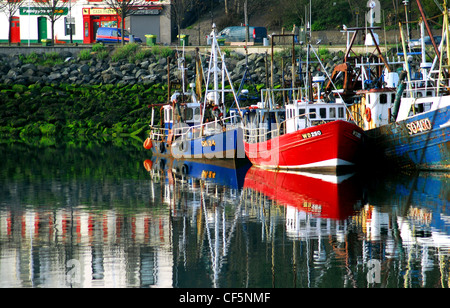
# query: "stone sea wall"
[[150, 68]]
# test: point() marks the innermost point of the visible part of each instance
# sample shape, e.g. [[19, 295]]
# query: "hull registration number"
[[419, 126]]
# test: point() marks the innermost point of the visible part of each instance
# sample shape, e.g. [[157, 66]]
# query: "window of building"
[[69, 23]]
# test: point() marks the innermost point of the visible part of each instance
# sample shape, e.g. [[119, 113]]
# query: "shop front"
[[94, 18]]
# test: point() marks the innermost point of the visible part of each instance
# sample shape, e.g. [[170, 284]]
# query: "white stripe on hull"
[[334, 162]]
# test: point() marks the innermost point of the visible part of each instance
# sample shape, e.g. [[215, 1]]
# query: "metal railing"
[[261, 134], [196, 131], [415, 89]]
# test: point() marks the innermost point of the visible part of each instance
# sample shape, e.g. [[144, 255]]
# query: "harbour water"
[[102, 215]]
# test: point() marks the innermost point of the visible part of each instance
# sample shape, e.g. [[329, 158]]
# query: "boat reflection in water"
[[322, 195], [228, 173], [203, 196], [182, 224]]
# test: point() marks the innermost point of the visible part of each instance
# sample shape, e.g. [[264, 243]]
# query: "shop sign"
[[99, 11], [147, 10], [43, 10]]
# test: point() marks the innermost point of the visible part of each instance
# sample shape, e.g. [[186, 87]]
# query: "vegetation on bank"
[[73, 111], [80, 111]]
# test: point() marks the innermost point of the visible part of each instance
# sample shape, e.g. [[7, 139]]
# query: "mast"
[[217, 56], [308, 50], [424, 18], [445, 37]]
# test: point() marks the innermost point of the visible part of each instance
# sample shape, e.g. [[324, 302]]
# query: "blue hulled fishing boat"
[[404, 115], [418, 136], [192, 128]]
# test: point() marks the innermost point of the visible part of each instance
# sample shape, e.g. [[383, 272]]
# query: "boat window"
[[312, 113], [166, 115], [189, 114], [332, 113], [323, 112], [291, 113], [197, 111], [301, 111], [383, 99], [341, 112], [420, 108]]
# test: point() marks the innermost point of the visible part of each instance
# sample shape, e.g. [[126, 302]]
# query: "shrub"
[[124, 52], [162, 52], [103, 54], [30, 58], [85, 54], [98, 47]]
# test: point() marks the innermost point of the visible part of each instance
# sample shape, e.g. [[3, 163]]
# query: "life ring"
[[148, 144], [368, 113]]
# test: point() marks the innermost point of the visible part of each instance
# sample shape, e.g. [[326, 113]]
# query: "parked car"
[[427, 40], [237, 34], [114, 35]]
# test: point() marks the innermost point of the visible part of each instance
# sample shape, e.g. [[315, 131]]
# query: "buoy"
[[368, 114], [148, 144], [148, 164]]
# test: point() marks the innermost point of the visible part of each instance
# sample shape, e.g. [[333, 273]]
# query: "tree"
[[177, 11], [53, 10], [125, 8], [10, 7]]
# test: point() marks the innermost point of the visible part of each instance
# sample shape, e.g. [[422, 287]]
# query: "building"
[[30, 24]]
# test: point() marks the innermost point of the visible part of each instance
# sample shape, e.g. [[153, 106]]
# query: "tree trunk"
[[53, 31], [123, 28], [9, 35]]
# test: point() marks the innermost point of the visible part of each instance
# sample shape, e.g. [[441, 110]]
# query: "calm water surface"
[[102, 215]]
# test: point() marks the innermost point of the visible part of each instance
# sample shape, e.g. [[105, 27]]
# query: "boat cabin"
[[374, 107], [185, 113], [300, 114]]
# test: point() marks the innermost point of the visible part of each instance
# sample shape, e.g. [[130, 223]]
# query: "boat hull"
[[329, 147], [420, 142], [224, 145]]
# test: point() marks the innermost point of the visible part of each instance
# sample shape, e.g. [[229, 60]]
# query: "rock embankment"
[[148, 68]]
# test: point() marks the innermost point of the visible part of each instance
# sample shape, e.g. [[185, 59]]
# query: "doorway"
[[15, 30], [96, 25], [42, 29]]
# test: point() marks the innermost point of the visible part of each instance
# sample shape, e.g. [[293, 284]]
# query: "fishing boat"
[[419, 135], [196, 129], [405, 116], [309, 132]]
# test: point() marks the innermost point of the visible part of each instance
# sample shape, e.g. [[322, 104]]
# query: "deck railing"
[[262, 134], [185, 132]]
